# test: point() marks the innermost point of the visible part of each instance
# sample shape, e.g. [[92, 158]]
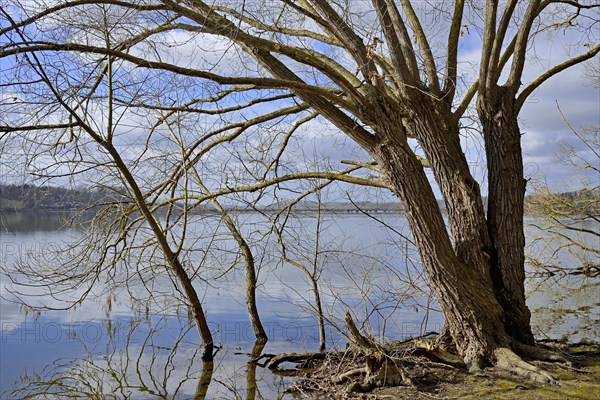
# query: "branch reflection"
[[156, 358]]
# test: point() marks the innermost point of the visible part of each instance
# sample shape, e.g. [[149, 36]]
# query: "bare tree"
[[308, 263], [374, 71], [247, 255], [567, 219]]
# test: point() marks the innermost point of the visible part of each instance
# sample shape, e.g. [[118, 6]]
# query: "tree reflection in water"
[[564, 306], [144, 360]]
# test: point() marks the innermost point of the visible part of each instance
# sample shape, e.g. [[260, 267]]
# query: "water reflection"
[[251, 387], [151, 359], [24, 222], [157, 357], [565, 306]]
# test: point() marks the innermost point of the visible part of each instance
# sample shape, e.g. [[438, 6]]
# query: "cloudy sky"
[[544, 128], [542, 125]]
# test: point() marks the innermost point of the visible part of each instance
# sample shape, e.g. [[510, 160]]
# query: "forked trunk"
[[505, 210], [473, 316]]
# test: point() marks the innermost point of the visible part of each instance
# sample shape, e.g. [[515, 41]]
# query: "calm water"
[[147, 348]]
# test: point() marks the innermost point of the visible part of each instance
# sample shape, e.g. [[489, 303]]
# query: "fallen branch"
[[275, 361], [431, 350], [357, 337]]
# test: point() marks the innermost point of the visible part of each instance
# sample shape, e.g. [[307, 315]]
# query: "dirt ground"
[[579, 380]]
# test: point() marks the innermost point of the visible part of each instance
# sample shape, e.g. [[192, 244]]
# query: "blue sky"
[[542, 125]]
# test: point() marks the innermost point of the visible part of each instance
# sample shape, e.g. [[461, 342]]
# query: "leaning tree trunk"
[[505, 209], [464, 289], [172, 259], [251, 281]]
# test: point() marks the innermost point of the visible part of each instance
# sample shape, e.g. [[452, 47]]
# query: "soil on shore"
[[337, 376]]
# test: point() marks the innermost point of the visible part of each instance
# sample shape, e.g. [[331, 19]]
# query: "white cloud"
[[544, 128]]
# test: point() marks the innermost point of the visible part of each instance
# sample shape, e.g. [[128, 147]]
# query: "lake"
[[137, 341]]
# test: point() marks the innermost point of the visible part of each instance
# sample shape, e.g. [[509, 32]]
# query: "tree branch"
[[519, 54], [337, 176], [452, 51], [551, 72], [70, 4], [493, 68], [6, 128], [402, 54], [259, 82], [417, 28], [489, 34], [344, 33], [475, 87]]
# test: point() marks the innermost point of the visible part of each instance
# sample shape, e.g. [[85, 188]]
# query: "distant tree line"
[[23, 197]]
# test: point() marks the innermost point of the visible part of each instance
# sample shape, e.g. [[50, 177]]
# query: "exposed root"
[[417, 366], [433, 351], [407, 367], [540, 353], [507, 360], [445, 342], [381, 368]]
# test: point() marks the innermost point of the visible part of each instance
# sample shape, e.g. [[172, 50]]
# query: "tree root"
[[507, 360], [366, 365], [381, 370], [541, 354], [433, 351]]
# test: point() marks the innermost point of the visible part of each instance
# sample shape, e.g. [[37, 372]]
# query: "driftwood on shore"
[[364, 365], [415, 365]]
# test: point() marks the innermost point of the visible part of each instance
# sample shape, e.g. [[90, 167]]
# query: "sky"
[[542, 125], [544, 128]]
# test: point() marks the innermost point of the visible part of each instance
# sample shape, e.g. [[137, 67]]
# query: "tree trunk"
[[204, 381], [438, 134], [320, 316], [259, 330], [464, 289], [250, 267], [505, 208], [197, 311], [170, 256]]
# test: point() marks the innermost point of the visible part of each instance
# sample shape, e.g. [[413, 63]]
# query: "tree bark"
[[170, 256], [463, 288], [204, 381], [438, 134], [507, 186]]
